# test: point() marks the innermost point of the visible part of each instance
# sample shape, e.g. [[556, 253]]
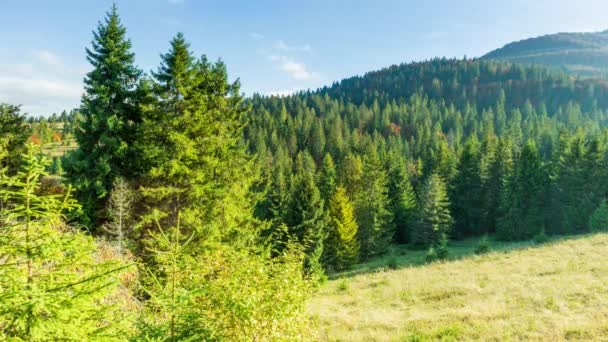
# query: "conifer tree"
[[120, 213], [111, 116], [375, 221], [434, 218], [496, 167], [598, 221], [351, 173], [342, 246], [306, 217], [13, 135], [522, 205], [192, 142], [51, 283], [466, 192], [327, 178], [402, 198]]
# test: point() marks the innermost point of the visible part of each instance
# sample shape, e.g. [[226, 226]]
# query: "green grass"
[[554, 291]]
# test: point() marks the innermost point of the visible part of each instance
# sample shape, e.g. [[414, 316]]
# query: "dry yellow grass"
[[553, 292]]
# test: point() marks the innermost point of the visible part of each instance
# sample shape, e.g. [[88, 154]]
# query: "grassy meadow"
[[551, 292]]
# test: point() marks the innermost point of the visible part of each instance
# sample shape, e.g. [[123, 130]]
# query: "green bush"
[[483, 246], [224, 293], [392, 264], [598, 222], [431, 255], [541, 237]]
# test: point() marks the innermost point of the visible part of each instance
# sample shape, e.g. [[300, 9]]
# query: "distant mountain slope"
[[585, 54]]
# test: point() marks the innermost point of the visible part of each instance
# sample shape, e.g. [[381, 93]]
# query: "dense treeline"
[[425, 152]]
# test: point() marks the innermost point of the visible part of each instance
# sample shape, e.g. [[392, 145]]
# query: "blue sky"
[[274, 47]]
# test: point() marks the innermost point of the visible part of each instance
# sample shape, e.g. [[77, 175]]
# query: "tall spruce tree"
[[192, 143], [497, 164], [402, 198], [327, 178], [111, 115], [375, 220], [306, 220], [342, 246], [522, 204], [434, 218], [466, 191]]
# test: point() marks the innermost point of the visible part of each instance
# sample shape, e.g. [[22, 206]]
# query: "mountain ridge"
[[580, 53]]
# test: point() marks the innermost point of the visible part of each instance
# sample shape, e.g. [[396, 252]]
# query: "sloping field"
[[552, 292]]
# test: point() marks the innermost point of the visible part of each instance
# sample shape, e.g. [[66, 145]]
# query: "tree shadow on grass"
[[405, 256]]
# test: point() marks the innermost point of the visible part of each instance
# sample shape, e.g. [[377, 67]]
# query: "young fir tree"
[[402, 198], [466, 192], [52, 284], [342, 246], [434, 218], [120, 213], [372, 204], [111, 115], [191, 141]]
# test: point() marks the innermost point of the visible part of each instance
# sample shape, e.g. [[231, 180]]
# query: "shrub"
[[342, 286], [392, 264], [483, 246], [224, 293], [541, 237], [598, 221], [431, 255]]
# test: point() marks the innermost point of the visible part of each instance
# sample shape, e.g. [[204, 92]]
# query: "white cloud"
[[282, 46], [49, 58], [256, 36], [40, 95], [295, 69], [43, 83]]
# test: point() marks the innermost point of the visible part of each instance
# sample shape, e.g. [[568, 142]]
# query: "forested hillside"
[[578, 53], [177, 209], [426, 152]]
